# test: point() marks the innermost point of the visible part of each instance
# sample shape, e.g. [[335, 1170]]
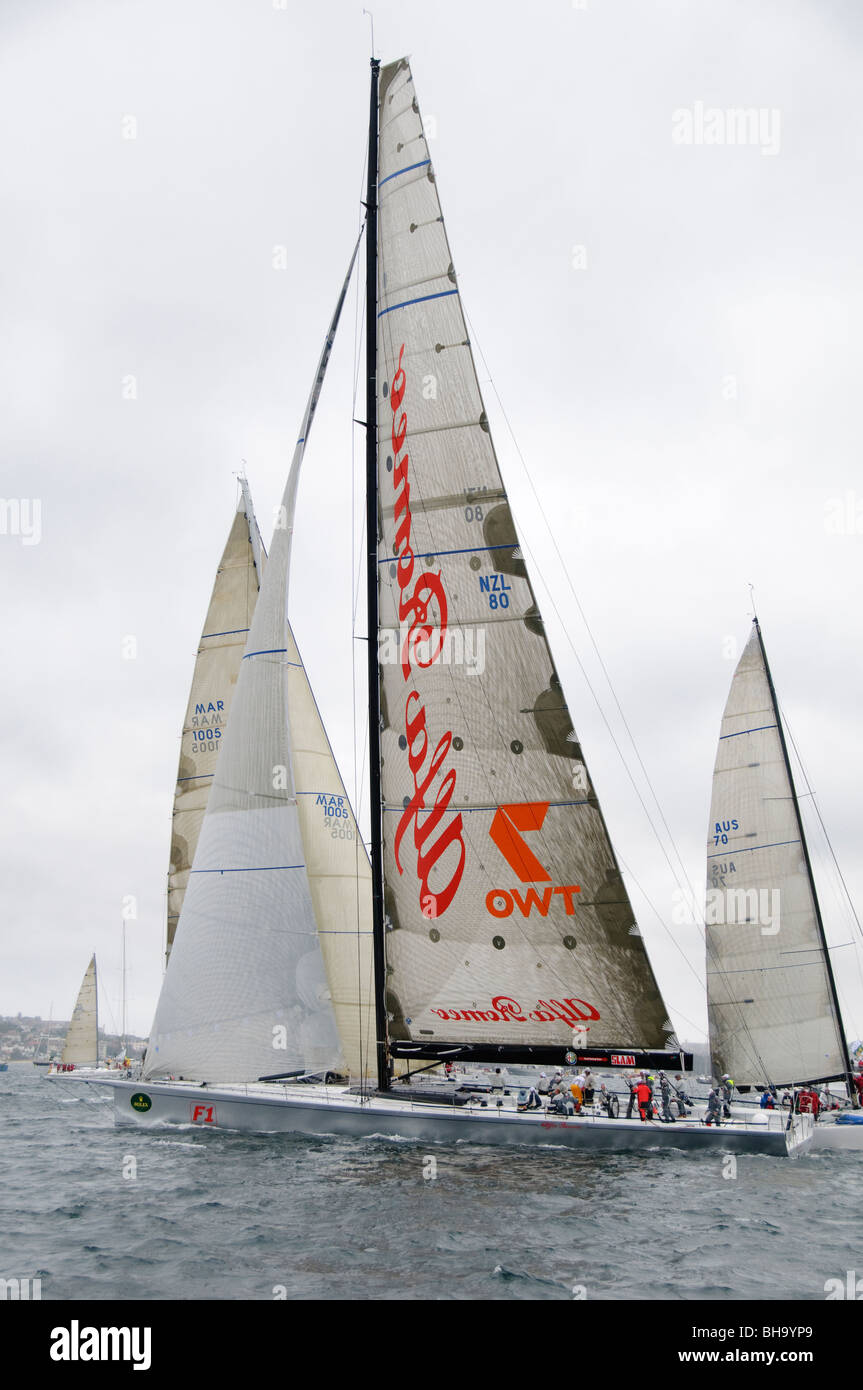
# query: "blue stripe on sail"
[[406, 170], [264, 869], [274, 651], [730, 853], [756, 730], [232, 632], [420, 300], [469, 550], [200, 777]]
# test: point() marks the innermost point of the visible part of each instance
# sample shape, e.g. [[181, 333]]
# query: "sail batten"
[[507, 920], [772, 1015]]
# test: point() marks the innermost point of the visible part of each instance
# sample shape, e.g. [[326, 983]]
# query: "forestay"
[[770, 1004], [507, 918], [217, 665]]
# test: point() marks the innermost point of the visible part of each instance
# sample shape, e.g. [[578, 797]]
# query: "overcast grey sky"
[[670, 328]]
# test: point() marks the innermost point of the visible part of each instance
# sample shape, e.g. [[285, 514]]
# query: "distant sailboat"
[[773, 1007], [493, 921], [81, 1048], [49, 1042]]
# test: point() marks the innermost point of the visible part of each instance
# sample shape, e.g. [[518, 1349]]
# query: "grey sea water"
[[215, 1215]]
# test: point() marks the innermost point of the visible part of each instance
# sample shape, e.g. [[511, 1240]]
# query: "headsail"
[[220, 651], [82, 1038], [770, 999], [507, 919], [270, 967]]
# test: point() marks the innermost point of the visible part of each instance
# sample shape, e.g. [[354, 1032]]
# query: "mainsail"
[[82, 1037], [271, 966], [771, 1000], [507, 920], [217, 665]]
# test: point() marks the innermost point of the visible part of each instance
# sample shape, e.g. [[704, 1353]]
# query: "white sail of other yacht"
[[271, 965], [772, 1004], [217, 665], [81, 1048]]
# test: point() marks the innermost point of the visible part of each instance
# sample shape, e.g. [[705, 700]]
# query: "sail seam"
[[263, 869]]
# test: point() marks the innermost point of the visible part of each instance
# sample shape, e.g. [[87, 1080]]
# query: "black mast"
[[827, 962], [372, 586]]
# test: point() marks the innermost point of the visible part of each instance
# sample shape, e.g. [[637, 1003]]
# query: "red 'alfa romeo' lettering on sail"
[[506, 1010], [422, 647]]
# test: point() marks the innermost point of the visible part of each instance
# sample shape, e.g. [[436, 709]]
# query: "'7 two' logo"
[[507, 831]]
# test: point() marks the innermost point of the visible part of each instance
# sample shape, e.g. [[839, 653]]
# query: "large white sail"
[[217, 665], [271, 963], [507, 918], [770, 1003], [82, 1037]]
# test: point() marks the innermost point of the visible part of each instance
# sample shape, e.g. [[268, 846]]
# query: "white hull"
[[826, 1133], [271, 1109]]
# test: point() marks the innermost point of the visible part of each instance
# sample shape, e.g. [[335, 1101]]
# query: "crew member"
[[644, 1095], [714, 1109], [632, 1096], [665, 1096]]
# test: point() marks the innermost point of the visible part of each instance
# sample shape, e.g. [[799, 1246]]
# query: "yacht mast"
[[372, 585]]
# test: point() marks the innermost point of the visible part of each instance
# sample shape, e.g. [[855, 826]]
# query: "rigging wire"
[[848, 900]]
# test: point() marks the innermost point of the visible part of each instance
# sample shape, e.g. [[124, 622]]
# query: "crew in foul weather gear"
[[714, 1109], [644, 1095], [665, 1096]]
